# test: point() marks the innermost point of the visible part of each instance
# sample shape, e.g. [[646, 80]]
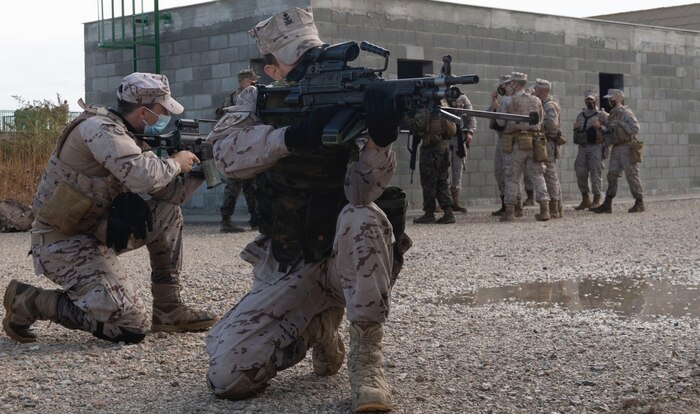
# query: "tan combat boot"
[[518, 209], [455, 201], [543, 215], [595, 203], [585, 202], [553, 209], [24, 305], [448, 217], [322, 335], [509, 215], [427, 218], [530, 200], [171, 315], [606, 207], [502, 210], [370, 391], [638, 206]]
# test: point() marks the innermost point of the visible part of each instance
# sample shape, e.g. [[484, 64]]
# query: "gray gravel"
[[589, 314]]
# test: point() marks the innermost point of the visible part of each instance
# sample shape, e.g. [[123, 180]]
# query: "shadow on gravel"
[[630, 297]]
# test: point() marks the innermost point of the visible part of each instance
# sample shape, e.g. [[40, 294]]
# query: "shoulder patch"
[[230, 119]]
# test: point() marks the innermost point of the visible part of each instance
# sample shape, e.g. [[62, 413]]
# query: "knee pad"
[[124, 335], [244, 384]]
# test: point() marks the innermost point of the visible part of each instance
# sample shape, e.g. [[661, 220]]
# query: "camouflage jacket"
[[520, 103], [99, 158]]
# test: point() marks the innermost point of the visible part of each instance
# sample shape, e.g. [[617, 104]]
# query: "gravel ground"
[[592, 313]]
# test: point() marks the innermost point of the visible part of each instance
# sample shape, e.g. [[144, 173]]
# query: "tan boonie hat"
[[591, 94], [518, 77], [147, 88], [247, 74], [613, 93], [542, 83], [287, 35], [502, 80]]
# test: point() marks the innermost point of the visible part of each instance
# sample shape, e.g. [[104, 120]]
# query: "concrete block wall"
[[206, 45]]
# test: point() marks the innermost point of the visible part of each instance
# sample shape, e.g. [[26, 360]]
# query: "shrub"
[[23, 154]]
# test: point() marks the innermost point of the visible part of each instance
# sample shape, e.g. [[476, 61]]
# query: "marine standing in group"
[[518, 146], [434, 131], [551, 130], [621, 132], [459, 156], [588, 135], [233, 188]]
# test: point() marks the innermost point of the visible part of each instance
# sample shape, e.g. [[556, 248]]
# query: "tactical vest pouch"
[[636, 150], [506, 143], [65, 208], [524, 142], [321, 218], [620, 136], [581, 137], [539, 147]]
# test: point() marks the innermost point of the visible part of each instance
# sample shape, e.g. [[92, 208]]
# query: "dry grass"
[[24, 154]]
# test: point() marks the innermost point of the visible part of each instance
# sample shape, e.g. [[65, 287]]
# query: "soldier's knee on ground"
[[237, 385], [118, 334]]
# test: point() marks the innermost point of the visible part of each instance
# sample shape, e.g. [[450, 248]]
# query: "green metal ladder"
[[128, 28]]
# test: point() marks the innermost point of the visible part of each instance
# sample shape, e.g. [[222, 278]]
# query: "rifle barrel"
[[494, 115]]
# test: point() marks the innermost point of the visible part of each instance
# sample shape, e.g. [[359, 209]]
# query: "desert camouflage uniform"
[[550, 128], [234, 186], [620, 155], [589, 159], [456, 163], [521, 103], [100, 159], [263, 331]]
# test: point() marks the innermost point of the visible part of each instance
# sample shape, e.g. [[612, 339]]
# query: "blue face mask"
[[158, 127]]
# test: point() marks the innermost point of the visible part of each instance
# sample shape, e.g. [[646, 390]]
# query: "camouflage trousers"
[[527, 182], [498, 169], [105, 301], [620, 161], [515, 164], [589, 162], [456, 164], [232, 191], [434, 170], [551, 172], [264, 329]]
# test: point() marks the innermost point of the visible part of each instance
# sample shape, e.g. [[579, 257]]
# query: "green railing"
[[7, 119]]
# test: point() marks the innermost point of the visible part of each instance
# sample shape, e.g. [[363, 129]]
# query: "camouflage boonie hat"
[[542, 83], [147, 88], [244, 74], [502, 80], [518, 77], [287, 35], [591, 94], [614, 93]]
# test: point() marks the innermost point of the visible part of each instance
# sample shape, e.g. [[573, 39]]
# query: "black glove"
[[129, 214], [307, 134], [383, 117]]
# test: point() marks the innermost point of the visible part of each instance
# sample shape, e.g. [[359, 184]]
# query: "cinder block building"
[[203, 46]]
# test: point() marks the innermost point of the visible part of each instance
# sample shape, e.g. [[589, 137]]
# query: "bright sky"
[[42, 41]]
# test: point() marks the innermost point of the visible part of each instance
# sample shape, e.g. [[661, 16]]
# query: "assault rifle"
[[189, 135], [324, 79]]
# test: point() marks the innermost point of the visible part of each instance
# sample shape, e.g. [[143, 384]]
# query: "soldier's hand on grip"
[[129, 214], [308, 133], [382, 115]]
